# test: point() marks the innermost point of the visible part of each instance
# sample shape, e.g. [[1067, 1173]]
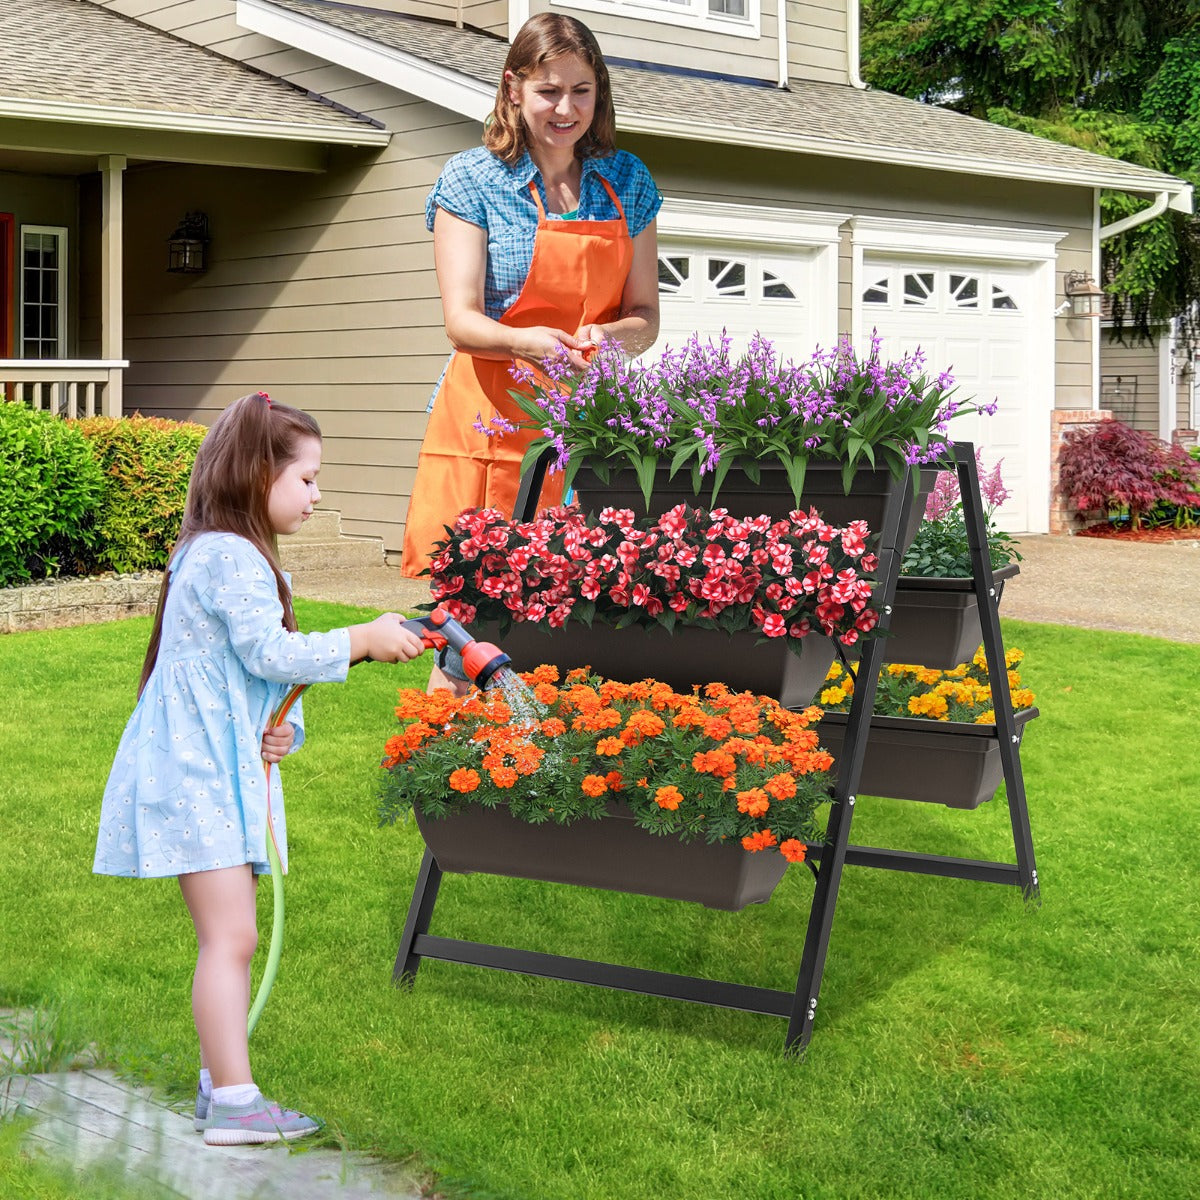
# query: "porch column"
[[112, 303]]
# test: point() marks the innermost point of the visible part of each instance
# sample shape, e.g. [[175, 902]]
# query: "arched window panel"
[[1002, 301], [918, 289], [879, 292], [726, 278], [774, 287], [964, 290], [674, 273]]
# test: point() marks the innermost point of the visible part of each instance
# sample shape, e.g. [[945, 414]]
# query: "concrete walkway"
[[94, 1121]]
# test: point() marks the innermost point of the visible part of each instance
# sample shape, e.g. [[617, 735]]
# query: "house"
[[294, 142]]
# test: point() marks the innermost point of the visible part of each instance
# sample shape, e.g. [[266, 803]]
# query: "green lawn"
[[966, 1045]]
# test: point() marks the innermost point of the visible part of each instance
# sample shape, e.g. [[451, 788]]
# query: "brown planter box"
[[937, 762], [935, 621], [687, 655], [612, 853], [870, 495]]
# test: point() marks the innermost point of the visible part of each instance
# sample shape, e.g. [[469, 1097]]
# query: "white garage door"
[[711, 287], [975, 321]]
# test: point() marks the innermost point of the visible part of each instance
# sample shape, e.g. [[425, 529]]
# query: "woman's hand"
[[277, 742], [540, 342]]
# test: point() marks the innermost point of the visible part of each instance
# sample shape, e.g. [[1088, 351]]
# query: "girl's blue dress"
[[188, 791]]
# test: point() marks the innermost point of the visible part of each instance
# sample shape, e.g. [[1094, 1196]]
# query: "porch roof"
[[76, 62], [459, 68]]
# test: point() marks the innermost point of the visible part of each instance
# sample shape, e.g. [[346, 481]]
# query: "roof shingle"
[[76, 52], [811, 117]]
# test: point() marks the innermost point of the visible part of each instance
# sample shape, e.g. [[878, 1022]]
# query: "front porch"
[[66, 387]]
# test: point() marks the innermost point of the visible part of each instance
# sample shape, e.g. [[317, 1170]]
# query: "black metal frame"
[[826, 860]]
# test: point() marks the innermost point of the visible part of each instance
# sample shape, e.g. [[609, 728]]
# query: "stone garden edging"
[[58, 603]]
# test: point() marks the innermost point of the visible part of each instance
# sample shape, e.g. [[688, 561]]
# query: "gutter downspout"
[[781, 39], [853, 77], [1138, 218]]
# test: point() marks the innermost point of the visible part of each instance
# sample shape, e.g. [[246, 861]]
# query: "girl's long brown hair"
[[238, 461], [542, 38]]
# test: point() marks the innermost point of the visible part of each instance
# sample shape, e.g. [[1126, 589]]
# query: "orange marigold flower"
[[717, 728], [781, 786], [504, 777], [545, 693], [762, 840], [594, 785], [614, 780], [669, 797], [553, 727], [606, 747], [753, 802], [541, 674], [464, 779], [792, 850]]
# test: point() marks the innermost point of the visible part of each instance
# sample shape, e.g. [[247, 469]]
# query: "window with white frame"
[[738, 17], [43, 273]]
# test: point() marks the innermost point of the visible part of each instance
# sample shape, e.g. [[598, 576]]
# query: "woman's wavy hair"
[[240, 458], [542, 38]]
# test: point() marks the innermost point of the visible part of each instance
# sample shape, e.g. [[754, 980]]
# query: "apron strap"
[[537, 199]]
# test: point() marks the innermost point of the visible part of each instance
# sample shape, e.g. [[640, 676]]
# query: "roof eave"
[[451, 90], [1179, 190], [471, 98], [65, 113]]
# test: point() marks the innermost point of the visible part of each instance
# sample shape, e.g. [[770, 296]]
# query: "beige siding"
[[623, 36], [321, 288], [1129, 381], [817, 40], [1183, 401]]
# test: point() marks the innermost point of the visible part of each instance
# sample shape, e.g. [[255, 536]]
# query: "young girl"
[[187, 795]]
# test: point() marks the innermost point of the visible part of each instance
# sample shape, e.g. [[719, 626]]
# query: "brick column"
[[1062, 519]]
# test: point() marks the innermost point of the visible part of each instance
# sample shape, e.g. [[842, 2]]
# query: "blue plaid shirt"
[[483, 189]]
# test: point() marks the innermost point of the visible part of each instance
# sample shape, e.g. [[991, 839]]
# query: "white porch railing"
[[66, 387]]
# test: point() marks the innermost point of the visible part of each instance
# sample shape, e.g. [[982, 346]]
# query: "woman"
[[544, 237]]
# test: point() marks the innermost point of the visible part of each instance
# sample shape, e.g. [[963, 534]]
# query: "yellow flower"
[[833, 695], [986, 718]]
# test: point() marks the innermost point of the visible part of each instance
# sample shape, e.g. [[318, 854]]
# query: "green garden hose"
[[273, 857]]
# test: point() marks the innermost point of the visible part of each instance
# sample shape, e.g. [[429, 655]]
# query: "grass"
[[966, 1045]]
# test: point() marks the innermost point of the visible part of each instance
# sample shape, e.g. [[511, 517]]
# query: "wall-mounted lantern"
[[1084, 298], [187, 247]]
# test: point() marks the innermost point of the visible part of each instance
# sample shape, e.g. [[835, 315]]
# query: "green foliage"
[[147, 462], [49, 489], [941, 549], [1116, 77]]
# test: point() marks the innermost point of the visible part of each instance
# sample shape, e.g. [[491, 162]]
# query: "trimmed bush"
[[1116, 468], [146, 464], [50, 486]]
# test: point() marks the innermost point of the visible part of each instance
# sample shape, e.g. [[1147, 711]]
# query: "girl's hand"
[[277, 742], [385, 640]]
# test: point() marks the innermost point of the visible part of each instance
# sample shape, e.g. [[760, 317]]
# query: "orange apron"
[[576, 277]]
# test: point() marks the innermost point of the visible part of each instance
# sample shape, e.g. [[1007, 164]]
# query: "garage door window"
[[942, 291], [723, 278]]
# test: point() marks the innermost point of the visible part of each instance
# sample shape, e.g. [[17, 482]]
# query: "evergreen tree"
[[1117, 77]]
